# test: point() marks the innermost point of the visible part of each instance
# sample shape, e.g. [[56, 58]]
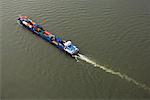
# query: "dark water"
[[113, 33]]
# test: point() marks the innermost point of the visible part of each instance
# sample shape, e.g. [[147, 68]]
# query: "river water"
[[113, 33]]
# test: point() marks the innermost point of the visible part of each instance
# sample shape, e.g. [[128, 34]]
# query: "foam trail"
[[119, 74]]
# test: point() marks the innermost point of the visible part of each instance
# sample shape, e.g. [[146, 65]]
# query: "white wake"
[[119, 74]]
